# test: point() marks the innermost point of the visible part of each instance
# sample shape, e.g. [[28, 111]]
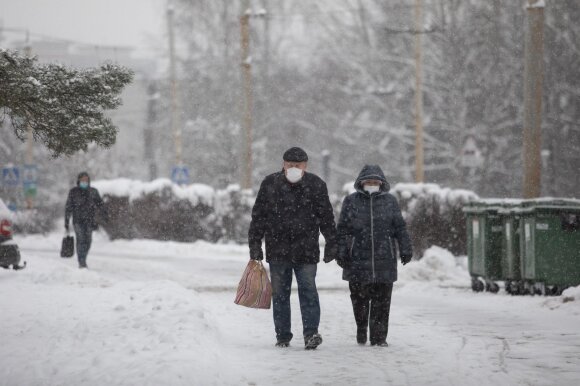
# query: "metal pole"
[[419, 174], [149, 130], [533, 83], [175, 113], [266, 16], [247, 97]]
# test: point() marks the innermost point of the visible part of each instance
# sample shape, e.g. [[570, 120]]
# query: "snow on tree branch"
[[64, 107]]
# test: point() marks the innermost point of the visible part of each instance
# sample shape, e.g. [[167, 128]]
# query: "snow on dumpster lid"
[[500, 201], [553, 201], [491, 204]]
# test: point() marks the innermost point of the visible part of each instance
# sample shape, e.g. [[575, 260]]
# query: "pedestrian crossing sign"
[[180, 175], [10, 176]]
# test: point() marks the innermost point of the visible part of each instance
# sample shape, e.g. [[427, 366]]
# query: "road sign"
[[471, 156], [30, 180], [30, 174], [30, 190], [180, 175], [10, 176]]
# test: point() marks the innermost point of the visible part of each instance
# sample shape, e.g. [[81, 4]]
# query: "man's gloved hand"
[[330, 252], [257, 254], [328, 258], [66, 227], [406, 258], [341, 263]]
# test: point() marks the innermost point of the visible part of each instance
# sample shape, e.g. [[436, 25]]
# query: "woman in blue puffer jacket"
[[370, 229]]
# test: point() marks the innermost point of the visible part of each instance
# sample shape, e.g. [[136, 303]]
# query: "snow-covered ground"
[[162, 313]]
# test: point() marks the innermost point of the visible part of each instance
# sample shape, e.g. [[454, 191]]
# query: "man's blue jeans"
[[84, 234], [281, 277]]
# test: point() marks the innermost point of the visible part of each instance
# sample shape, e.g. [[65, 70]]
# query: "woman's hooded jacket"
[[370, 229]]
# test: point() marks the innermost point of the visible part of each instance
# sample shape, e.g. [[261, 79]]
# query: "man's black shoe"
[[282, 344], [361, 336], [380, 344], [312, 341]]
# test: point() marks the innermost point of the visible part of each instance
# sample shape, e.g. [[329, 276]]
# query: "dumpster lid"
[[482, 206], [549, 203]]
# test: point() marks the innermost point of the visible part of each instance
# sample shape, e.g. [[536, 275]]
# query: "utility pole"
[[175, 105], [419, 173], [533, 83], [247, 103], [266, 16], [149, 129]]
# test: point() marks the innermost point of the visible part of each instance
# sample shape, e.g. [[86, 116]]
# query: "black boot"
[[312, 341], [361, 335]]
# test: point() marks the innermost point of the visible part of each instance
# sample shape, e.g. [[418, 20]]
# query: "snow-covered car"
[[9, 252]]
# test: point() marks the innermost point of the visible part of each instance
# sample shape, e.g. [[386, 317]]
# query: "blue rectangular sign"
[[10, 176], [180, 175]]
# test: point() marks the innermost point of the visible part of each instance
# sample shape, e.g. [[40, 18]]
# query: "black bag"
[[68, 247]]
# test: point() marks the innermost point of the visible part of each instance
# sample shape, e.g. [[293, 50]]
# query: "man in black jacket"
[[82, 204], [291, 209], [369, 229]]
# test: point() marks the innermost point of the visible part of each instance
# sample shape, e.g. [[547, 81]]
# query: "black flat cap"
[[295, 154]]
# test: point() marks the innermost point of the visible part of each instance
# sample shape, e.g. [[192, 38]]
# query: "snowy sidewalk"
[[162, 313]]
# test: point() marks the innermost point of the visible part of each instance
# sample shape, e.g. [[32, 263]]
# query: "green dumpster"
[[484, 243], [510, 215], [550, 245]]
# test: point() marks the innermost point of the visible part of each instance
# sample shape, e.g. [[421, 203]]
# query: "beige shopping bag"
[[254, 290]]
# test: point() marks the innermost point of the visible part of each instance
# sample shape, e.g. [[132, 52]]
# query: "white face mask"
[[293, 174], [371, 188]]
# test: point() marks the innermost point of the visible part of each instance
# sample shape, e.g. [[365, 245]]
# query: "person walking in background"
[[291, 209], [370, 223], [82, 204]]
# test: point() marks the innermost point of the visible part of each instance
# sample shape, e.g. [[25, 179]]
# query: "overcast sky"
[[138, 23]]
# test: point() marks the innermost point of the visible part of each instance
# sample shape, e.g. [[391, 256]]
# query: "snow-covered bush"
[[233, 212], [165, 211], [434, 216], [157, 210], [37, 220]]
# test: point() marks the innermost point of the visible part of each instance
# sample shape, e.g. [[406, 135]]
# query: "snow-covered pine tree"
[[63, 106]]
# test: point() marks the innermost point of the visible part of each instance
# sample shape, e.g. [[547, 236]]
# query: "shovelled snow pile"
[[88, 327], [439, 265], [571, 295]]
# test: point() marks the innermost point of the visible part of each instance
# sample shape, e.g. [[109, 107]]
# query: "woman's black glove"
[[406, 258]]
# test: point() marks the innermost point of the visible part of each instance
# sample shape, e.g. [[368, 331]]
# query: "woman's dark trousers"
[[371, 304]]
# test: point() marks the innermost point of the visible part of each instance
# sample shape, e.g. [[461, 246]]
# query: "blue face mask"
[[83, 185]]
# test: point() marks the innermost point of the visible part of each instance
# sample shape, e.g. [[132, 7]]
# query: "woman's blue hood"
[[371, 172]]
